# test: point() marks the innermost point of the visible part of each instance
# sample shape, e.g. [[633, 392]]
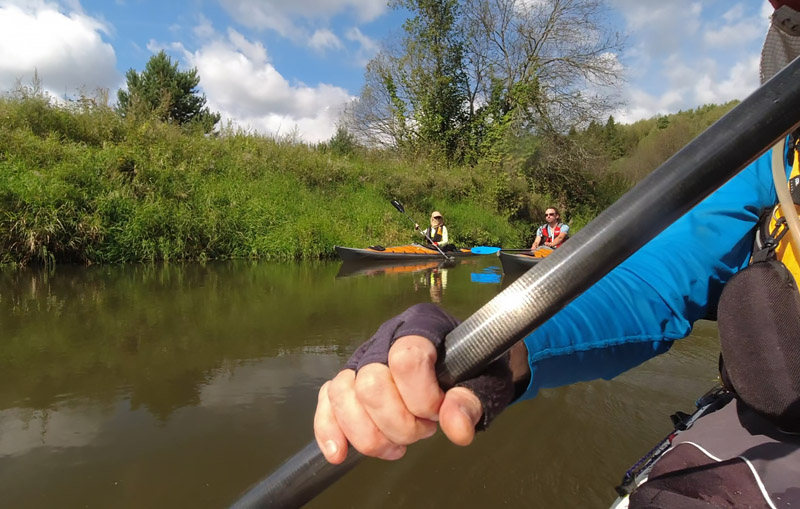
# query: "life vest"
[[544, 230], [435, 235]]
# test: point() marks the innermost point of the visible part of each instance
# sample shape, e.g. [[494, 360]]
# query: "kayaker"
[[387, 396], [437, 231], [553, 233]]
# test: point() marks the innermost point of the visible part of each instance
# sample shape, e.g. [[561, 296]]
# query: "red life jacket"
[[546, 234]]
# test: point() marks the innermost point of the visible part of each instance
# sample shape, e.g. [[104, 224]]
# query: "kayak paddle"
[[702, 166], [399, 206]]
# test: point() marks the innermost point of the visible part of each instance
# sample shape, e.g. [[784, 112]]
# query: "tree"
[[415, 93], [549, 63], [170, 94], [483, 73]]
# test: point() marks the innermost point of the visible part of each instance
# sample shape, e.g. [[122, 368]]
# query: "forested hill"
[[81, 183]]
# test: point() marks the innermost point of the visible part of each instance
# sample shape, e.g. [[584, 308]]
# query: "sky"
[[287, 67]]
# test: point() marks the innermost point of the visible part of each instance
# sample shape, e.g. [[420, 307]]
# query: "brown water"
[[181, 385]]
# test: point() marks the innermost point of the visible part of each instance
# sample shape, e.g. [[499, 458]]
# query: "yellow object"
[[788, 249]]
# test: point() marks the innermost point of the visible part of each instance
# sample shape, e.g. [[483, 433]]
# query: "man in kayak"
[[437, 231], [387, 397], [553, 233]]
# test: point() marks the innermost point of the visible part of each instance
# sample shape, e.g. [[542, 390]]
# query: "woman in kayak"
[[437, 231]]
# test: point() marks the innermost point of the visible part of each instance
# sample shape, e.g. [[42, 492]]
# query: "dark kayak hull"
[[410, 252], [517, 263]]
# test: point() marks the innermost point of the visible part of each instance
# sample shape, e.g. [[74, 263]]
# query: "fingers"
[[459, 414], [353, 422], [378, 394], [329, 436], [411, 363], [383, 408]]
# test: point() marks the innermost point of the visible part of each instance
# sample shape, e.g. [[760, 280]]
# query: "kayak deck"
[[407, 252]]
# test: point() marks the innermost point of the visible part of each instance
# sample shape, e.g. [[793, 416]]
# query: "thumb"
[[478, 401], [460, 412]]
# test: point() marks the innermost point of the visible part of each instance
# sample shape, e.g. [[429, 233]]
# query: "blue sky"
[[288, 66]]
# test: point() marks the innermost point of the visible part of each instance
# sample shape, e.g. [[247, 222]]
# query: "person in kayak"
[[553, 233], [387, 397], [437, 231]]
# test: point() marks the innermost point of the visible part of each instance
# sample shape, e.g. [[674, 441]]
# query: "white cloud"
[[739, 29], [204, 29], [367, 47], [324, 39], [256, 13], [687, 54], [66, 48], [296, 19], [243, 86]]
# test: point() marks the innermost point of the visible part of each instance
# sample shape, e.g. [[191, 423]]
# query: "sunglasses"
[[437, 217], [549, 214]]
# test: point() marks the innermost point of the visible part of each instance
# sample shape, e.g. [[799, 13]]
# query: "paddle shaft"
[[657, 201]]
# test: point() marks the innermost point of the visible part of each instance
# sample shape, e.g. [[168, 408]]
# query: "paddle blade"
[[398, 206], [482, 250]]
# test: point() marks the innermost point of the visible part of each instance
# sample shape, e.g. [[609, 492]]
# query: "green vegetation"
[[80, 183], [473, 114], [161, 90]]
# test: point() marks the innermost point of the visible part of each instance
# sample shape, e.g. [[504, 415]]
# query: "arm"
[[538, 239], [656, 295], [444, 236]]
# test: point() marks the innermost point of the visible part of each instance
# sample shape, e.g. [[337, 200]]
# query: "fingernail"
[[331, 448]]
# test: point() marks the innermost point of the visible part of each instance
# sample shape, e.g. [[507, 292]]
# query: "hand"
[[388, 396]]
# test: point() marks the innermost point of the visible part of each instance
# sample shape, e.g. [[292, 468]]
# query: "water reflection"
[[180, 385], [491, 275], [385, 268]]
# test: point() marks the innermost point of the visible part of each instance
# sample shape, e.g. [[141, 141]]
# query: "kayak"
[[515, 263], [407, 252], [383, 267]]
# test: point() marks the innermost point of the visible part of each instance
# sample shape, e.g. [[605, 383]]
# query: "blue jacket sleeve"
[[654, 297]]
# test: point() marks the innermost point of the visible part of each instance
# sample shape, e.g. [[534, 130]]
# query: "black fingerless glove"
[[426, 320], [494, 387]]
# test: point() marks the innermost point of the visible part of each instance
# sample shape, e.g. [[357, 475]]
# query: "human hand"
[[387, 397]]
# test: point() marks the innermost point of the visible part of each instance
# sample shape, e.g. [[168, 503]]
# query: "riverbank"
[[83, 185]]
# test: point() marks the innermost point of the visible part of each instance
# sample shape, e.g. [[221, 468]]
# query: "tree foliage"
[[471, 76], [170, 94], [415, 93]]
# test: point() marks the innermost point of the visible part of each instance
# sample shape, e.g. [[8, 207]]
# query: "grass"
[[79, 184]]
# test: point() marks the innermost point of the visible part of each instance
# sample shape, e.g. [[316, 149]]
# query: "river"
[[180, 385]]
